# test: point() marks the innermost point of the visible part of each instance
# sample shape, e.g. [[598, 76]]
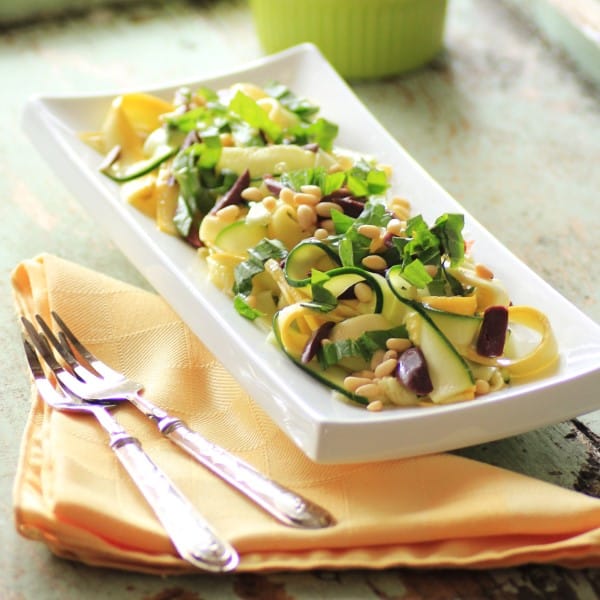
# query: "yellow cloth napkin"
[[434, 511]]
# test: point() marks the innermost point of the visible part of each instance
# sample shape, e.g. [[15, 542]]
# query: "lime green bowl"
[[362, 39]]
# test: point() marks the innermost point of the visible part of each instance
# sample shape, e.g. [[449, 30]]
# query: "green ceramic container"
[[363, 39]]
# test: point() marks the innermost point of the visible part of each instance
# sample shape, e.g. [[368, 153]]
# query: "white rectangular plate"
[[325, 428]]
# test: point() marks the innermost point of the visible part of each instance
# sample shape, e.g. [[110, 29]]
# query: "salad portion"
[[310, 242]]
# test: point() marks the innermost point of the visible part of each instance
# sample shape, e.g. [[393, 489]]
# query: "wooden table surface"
[[501, 119]]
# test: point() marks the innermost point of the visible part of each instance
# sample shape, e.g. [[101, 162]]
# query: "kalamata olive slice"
[[350, 205], [412, 372], [314, 343], [273, 185], [492, 335], [234, 194]]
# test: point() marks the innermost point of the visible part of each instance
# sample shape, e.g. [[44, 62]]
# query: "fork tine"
[[70, 339], [69, 381], [59, 345], [41, 344], [33, 360]]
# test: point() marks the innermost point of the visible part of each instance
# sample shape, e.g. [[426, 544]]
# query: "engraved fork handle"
[[191, 535], [285, 505]]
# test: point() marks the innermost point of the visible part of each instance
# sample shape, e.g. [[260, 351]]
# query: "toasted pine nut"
[[398, 344], [395, 226], [335, 168], [401, 202], [375, 262], [483, 272], [252, 194], [363, 292], [385, 367], [369, 390], [302, 198], [229, 213], [321, 233], [324, 209], [315, 190], [390, 354], [400, 207], [351, 383], [328, 225], [432, 270], [364, 373], [306, 217], [482, 387], [376, 359], [387, 169], [270, 203], [376, 244], [227, 140], [287, 196], [371, 231], [375, 406]]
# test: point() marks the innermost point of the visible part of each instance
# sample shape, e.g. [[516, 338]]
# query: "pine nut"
[[369, 390], [400, 207], [371, 231], [431, 270], [328, 226], [287, 196], [324, 209], [227, 140], [387, 169], [399, 201], [351, 383], [375, 406], [252, 194], [229, 213], [483, 272], [251, 301], [374, 262], [376, 245], [315, 190], [482, 387], [364, 373], [398, 344], [376, 359], [306, 217], [309, 199], [270, 203], [321, 233], [390, 354], [385, 368], [396, 227], [363, 292]]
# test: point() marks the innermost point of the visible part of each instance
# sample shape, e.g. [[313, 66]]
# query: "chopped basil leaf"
[[300, 106], [248, 110], [364, 346], [244, 309], [255, 264]]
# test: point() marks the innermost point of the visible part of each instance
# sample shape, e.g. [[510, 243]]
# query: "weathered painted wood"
[[499, 120]]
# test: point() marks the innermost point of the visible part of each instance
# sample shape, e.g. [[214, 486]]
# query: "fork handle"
[[191, 535], [287, 506]]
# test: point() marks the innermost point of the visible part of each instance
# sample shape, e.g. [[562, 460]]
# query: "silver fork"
[[98, 382], [191, 535]]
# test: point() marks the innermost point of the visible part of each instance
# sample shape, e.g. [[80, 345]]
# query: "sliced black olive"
[[413, 373], [314, 343], [492, 335], [234, 194]]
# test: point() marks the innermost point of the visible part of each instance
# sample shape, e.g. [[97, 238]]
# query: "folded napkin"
[[433, 511]]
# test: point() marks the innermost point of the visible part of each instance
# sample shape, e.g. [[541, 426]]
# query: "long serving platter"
[[323, 426]]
